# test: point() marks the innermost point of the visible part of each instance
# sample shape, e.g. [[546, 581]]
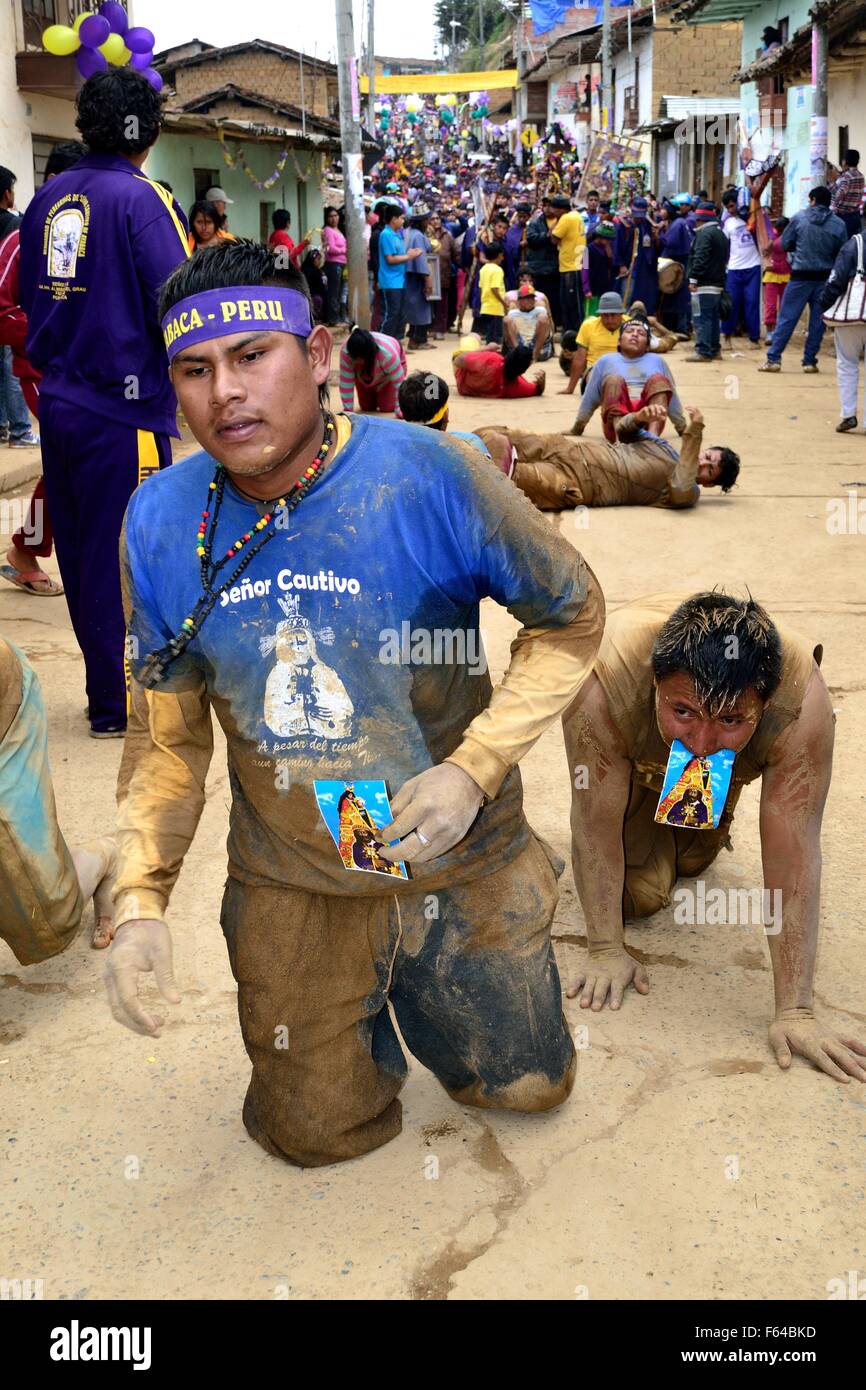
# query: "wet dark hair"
[[729, 467], [852, 158], [517, 359], [7, 179], [492, 249], [105, 105], [421, 395], [231, 263], [210, 210], [725, 644], [63, 156], [821, 196], [362, 346], [390, 211], [280, 219]]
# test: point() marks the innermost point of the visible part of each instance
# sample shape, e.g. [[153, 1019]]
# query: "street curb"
[[16, 475]]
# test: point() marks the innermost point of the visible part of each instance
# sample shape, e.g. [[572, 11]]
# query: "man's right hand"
[[415, 252], [648, 413], [695, 416], [539, 378], [138, 946], [609, 970]]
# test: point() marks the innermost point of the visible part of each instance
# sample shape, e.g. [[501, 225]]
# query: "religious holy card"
[[355, 813], [695, 789]]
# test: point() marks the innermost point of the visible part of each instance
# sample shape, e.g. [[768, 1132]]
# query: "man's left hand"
[[432, 813], [798, 1031]]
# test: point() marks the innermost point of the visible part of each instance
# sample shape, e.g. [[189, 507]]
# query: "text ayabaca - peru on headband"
[[217, 313]]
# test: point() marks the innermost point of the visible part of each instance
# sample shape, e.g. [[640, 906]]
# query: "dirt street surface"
[[685, 1165]]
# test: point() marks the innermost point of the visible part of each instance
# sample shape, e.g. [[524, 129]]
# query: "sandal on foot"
[[34, 581]]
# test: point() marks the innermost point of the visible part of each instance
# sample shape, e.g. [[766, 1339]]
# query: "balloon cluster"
[[480, 105], [104, 40], [446, 103]]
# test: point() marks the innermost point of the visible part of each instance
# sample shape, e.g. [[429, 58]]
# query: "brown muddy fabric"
[[40, 904], [559, 471], [469, 973], [277, 835], [656, 855]]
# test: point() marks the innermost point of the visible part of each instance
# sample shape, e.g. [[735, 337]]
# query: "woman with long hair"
[[374, 365], [206, 225]]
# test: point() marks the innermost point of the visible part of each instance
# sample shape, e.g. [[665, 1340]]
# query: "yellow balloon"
[[80, 20], [115, 50], [59, 39]]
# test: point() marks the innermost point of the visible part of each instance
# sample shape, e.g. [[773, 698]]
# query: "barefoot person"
[[350, 543], [44, 886], [557, 471], [713, 672]]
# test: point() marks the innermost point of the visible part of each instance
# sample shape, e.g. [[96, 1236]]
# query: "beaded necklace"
[[157, 663]]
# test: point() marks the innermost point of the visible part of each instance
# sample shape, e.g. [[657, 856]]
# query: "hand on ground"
[[609, 971], [798, 1031]]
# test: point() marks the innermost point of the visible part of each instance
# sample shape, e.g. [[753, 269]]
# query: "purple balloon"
[[94, 31], [90, 60], [141, 60], [138, 40], [153, 78], [116, 16]]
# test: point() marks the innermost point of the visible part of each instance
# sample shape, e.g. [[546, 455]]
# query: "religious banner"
[[606, 153]]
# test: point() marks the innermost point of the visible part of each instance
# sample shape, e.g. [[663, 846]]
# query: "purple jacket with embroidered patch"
[[96, 244]]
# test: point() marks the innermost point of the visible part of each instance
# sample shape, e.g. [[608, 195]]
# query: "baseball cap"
[[217, 195]]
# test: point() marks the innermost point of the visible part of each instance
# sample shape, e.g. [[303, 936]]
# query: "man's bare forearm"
[[793, 886]]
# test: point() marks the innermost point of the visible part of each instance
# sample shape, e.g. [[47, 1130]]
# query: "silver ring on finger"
[[423, 838]]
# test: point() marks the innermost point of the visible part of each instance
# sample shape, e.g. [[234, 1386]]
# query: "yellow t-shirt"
[[570, 233], [597, 340], [492, 278]]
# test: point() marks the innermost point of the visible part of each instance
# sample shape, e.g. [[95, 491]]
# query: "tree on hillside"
[[468, 15]]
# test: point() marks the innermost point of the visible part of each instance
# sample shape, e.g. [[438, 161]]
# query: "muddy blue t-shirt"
[[350, 647]]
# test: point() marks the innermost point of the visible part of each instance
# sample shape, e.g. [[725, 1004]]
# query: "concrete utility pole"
[[371, 65], [481, 22], [353, 174], [606, 92], [818, 132]]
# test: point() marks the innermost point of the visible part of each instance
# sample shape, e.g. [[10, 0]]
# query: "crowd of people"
[[258, 579]]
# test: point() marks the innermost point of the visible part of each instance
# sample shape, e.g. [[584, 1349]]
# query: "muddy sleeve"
[[160, 793], [684, 490], [548, 666], [166, 755], [524, 565]]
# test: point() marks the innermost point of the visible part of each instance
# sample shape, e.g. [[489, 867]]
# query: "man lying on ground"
[[714, 672], [625, 381], [482, 372], [44, 886], [338, 647], [557, 471]]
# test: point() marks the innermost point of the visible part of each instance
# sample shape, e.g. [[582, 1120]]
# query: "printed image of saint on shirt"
[[303, 695], [64, 240]]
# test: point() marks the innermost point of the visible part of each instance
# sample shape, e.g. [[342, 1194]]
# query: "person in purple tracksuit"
[[96, 244]]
